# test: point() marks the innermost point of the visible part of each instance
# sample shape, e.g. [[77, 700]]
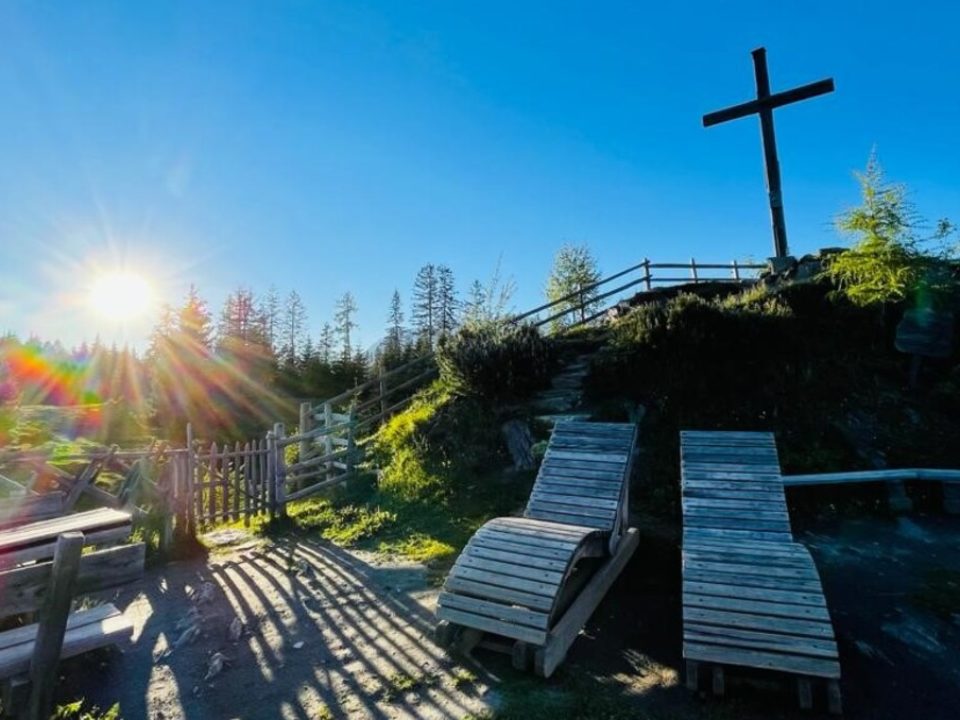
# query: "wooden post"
[[212, 483], [328, 438], [264, 484], [693, 270], [280, 469], [238, 484], [306, 417], [736, 271], [191, 483], [271, 478], [351, 439], [646, 272], [168, 491], [53, 623], [247, 483]]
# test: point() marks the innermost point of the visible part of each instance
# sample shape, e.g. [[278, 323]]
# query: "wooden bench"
[[41, 568], [517, 581], [751, 595], [37, 540]]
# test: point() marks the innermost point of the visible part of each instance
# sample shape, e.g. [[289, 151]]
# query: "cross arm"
[[821, 87]]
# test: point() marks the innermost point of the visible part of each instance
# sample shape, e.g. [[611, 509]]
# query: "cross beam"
[[764, 106]]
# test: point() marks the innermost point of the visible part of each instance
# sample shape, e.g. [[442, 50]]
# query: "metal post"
[[646, 272], [693, 270], [736, 271]]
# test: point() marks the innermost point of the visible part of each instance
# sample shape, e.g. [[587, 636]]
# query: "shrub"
[[496, 361]]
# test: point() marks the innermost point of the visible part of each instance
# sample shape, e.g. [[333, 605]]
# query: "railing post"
[[693, 270], [351, 440], [328, 438], [736, 271], [646, 273], [305, 427], [280, 468]]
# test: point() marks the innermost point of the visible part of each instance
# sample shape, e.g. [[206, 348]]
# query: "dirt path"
[[326, 634]]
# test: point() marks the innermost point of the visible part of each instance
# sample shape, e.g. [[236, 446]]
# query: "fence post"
[[280, 470], [693, 270], [646, 272], [212, 484], [190, 472], [351, 440], [305, 427], [270, 481], [736, 271], [328, 438]]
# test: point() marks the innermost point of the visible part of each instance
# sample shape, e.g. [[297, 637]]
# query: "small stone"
[[297, 645]]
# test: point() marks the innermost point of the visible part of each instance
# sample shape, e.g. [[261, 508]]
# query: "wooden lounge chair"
[[751, 595], [519, 584]]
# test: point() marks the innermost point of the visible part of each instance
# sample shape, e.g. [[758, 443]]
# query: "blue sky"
[[333, 146]]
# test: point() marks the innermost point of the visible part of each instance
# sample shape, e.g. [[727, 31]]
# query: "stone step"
[[554, 418]]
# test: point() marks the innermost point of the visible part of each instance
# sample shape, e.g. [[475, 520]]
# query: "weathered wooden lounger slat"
[[38, 540], [751, 595], [513, 578]]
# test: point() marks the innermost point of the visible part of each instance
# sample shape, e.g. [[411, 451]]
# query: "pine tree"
[[574, 272], [194, 321], [294, 324], [473, 309], [325, 344], [270, 309], [344, 324], [394, 341], [424, 306], [447, 303]]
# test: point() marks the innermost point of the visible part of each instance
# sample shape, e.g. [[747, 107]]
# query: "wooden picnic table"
[[37, 540]]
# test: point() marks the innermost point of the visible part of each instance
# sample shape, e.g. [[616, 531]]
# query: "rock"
[[519, 444], [235, 630], [215, 665], [297, 645]]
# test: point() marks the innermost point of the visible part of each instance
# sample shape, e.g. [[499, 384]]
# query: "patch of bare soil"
[[296, 629]]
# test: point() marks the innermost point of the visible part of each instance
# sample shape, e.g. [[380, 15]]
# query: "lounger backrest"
[[584, 475]]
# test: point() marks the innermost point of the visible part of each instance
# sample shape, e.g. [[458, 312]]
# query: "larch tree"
[[394, 341], [424, 306], [344, 324], [447, 304], [574, 272], [294, 328]]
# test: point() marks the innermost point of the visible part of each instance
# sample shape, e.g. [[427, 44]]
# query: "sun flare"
[[120, 296]]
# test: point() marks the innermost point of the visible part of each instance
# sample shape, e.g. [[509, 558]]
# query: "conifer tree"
[[344, 324], [447, 304], [424, 306], [294, 327], [574, 272]]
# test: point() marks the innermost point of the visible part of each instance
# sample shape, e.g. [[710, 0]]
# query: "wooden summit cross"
[[763, 106]]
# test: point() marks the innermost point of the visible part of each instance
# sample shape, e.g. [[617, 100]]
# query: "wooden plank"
[[506, 613], [562, 635], [518, 558], [505, 581], [765, 570], [720, 494], [570, 497], [469, 560], [708, 511], [527, 539], [25, 587], [561, 504], [757, 622], [80, 637], [492, 543], [556, 531], [713, 635], [462, 585], [481, 622], [610, 458], [774, 609], [753, 581], [598, 523], [50, 529], [818, 667], [26, 634], [697, 533], [53, 624], [610, 492], [721, 555], [738, 523]]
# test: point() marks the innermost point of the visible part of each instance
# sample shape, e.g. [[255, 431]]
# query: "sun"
[[120, 295]]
